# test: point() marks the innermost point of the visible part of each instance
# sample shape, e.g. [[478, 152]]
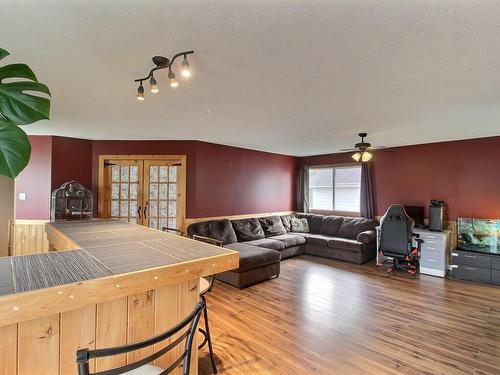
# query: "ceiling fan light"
[[366, 156], [186, 69], [153, 85], [356, 156]]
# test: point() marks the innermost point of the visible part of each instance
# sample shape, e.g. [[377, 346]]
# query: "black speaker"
[[438, 217]]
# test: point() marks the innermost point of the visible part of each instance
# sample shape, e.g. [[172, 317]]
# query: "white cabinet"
[[435, 254]]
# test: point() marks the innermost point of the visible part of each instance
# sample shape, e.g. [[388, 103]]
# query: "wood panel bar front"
[[42, 329]]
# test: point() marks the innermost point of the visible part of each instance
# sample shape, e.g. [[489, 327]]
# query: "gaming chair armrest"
[[368, 236], [418, 240]]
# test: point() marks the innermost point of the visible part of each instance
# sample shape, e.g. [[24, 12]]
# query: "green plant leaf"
[[15, 149], [20, 107], [17, 71], [15, 104], [3, 53]]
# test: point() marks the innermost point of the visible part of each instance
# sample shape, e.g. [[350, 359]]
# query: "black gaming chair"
[[396, 233]]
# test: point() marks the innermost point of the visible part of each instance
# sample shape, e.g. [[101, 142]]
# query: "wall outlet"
[[22, 196]]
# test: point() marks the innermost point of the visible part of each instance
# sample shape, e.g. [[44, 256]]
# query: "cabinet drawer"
[[434, 263], [471, 259], [495, 262], [463, 272], [495, 277]]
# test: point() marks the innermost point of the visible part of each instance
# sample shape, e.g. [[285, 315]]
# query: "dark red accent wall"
[[35, 181], [71, 160], [232, 181], [465, 174], [221, 180]]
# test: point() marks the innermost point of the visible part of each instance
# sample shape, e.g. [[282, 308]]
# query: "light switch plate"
[[22, 196]]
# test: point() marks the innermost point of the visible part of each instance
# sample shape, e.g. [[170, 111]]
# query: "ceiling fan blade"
[[377, 148], [347, 149]]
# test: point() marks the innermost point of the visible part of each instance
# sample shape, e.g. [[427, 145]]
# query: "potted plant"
[[18, 106]]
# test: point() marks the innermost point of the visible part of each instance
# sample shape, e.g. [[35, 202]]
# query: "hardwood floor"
[[328, 317]]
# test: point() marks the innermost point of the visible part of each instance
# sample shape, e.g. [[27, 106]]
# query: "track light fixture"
[[171, 77], [164, 63], [153, 86], [186, 69], [140, 92]]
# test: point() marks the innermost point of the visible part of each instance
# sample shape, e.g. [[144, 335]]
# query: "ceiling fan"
[[362, 149]]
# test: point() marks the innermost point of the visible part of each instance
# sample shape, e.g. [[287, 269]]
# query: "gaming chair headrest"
[[397, 212], [396, 230]]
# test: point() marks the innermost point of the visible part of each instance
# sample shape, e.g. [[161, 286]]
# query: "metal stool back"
[[207, 339], [84, 355]]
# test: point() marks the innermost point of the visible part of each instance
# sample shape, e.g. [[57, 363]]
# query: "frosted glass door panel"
[[161, 183], [125, 182]]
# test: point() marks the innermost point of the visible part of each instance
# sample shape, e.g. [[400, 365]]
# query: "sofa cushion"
[[221, 230], [330, 225], [290, 239], [345, 244], [248, 229], [252, 257], [351, 227], [313, 238], [300, 225], [313, 220], [287, 222], [268, 243], [272, 226]]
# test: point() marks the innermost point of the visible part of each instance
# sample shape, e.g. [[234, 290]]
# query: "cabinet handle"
[[146, 210], [454, 254], [453, 266], [139, 212]]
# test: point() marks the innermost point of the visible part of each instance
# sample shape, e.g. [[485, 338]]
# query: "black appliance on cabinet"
[[438, 216]]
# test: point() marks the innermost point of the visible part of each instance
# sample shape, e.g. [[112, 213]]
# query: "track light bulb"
[[186, 69], [140, 93], [153, 85], [173, 82]]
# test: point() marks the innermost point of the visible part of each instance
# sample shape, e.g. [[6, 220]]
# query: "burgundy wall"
[[232, 181], [35, 181], [221, 180], [465, 174], [71, 160]]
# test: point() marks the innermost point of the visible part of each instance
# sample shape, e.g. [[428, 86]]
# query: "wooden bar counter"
[[114, 283]]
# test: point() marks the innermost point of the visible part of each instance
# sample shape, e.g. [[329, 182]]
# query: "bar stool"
[[206, 285], [142, 366]]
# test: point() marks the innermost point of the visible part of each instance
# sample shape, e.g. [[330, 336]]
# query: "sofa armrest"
[[367, 236]]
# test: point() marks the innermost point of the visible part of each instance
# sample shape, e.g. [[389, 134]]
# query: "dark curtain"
[[366, 201], [303, 189]]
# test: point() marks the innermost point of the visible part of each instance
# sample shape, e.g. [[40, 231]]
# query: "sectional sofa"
[[264, 242]]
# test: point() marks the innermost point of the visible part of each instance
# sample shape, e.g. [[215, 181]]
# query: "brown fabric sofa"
[[263, 242]]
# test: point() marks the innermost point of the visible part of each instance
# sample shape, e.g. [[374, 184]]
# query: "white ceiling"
[[293, 77]]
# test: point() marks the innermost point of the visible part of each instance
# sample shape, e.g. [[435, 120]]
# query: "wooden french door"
[[160, 194], [148, 192]]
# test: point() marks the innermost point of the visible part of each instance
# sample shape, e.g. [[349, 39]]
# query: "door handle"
[[139, 212], [146, 210]]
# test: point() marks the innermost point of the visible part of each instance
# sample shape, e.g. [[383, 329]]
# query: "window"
[[335, 188]]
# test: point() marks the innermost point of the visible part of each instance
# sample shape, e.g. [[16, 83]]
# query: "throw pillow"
[[299, 225], [272, 226]]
